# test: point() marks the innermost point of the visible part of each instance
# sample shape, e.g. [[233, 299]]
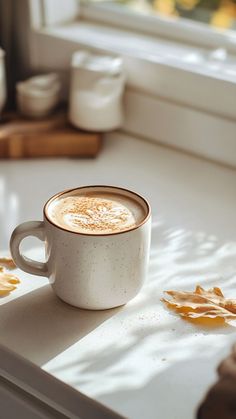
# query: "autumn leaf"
[[7, 263], [201, 304], [7, 283]]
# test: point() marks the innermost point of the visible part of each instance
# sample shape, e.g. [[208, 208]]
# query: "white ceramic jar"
[[96, 91]]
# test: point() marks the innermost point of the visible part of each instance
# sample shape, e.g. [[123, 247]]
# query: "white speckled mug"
[[88, 270]]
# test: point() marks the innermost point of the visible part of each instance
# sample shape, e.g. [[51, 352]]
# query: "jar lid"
[[98, 63]]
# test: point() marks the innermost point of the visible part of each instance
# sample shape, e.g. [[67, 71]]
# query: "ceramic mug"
[[89, 271]]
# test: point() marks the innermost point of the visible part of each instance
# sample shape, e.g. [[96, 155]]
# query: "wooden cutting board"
[[51, 137]]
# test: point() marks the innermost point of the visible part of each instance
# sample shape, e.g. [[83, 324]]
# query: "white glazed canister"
[[96, 91]]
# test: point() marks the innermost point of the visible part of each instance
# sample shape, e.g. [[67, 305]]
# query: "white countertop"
[[140, 360]]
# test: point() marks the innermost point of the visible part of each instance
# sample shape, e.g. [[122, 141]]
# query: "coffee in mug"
[[95, 212], [97, 241]]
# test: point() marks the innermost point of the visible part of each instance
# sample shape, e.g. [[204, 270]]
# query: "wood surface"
[[50, 137]]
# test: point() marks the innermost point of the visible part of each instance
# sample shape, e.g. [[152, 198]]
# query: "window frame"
[[181, 29]]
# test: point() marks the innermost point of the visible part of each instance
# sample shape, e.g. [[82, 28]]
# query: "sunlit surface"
[[137, 357], [141, 360], [216, 13]]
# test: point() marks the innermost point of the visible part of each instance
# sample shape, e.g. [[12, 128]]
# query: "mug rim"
[[146, 218]]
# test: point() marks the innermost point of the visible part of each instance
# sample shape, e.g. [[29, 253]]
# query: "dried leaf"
[[202, 304], [7, 263], [7, 283]]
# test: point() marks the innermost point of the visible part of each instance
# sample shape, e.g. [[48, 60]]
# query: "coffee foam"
[[96, 212]]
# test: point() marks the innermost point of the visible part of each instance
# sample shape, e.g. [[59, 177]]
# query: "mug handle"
[[30, 228]]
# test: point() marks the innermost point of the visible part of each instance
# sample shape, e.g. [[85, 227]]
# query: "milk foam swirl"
[[89, 213], [94, 214]]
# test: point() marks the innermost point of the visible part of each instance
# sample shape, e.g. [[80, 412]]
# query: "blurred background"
[[216, 13], [15, 24], [178, 58]]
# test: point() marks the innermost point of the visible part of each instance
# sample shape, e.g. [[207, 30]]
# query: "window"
[[125, 13], [181, 75], [216, 13]]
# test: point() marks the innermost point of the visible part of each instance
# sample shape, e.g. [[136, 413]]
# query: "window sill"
[[174, 92], [186, 74], [181, 30]]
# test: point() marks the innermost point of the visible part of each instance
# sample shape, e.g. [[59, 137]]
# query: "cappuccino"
[[96, 211]]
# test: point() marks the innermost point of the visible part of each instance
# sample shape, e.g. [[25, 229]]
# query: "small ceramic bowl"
[[38, 96]]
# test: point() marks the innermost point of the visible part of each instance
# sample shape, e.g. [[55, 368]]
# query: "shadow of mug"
[[41, 326]]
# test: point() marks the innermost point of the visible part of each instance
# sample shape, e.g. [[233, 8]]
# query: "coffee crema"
[[96, 212]]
